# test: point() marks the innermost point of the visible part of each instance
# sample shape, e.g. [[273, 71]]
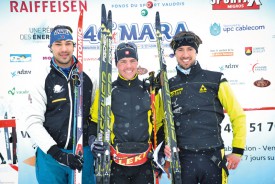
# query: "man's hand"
[[97, 147], [67, 159], [233, 161], [167, 151]]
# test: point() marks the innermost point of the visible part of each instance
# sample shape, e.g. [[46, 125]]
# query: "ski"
[[2, 159], [103, 162], [6, 132], [14, 144], [78, 110], [169, 122]]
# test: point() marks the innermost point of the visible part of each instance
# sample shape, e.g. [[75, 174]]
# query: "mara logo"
[[20, 57], [235, 4], [215, 29], [135, 32]]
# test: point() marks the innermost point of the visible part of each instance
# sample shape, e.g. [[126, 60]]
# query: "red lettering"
[[65, 4], [30, 8], [73, 6], [36, 6], [48, 6], [13, 6], [52, 6], [44, 5], [24, 7], [83, 5], [59, 6]]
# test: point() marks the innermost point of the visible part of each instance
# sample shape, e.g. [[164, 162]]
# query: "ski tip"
[[157, 15], [157, 18], [157, 23], [103, 9], [110, 15], [103, 14], [81, 15], [109, 23]]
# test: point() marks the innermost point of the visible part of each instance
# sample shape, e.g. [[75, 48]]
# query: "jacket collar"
[[193, 69], [128, 83]]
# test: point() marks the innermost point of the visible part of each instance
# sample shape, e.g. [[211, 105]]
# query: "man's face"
[[62, 52], [186, 56], [127, 67]]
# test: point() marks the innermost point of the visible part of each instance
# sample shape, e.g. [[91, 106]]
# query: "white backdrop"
[[238, 40]]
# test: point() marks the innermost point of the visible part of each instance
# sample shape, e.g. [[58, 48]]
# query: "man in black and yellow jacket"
[[199, 98], [131, 126]]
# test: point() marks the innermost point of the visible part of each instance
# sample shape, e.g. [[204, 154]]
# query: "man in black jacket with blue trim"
[[50, 115]]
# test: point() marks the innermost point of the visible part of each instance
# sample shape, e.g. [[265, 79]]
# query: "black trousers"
[[197, 167], [142, 174]]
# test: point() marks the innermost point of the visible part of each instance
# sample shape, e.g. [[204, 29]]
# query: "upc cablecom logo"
[[235, 4]]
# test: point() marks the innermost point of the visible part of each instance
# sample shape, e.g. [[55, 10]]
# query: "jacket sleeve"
[[237, 117], [34, 114], [159, 111], [94, 109], [160, 118]]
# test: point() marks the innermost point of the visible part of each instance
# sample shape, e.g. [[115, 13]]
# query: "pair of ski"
[[103, 161], [102, 164], [78, 101]]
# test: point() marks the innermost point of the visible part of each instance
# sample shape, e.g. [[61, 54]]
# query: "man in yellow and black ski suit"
[[131, 125], [199, 98]]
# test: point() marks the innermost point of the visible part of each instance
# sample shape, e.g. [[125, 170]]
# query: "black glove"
[[67, 159], [10, 139], [152, 81], [97, 147], [157, 82]]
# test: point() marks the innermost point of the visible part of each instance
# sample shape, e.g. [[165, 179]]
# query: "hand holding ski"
[[103, 163], [78, 108]]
